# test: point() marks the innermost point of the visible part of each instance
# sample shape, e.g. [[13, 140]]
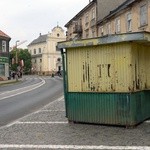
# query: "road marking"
[[24, 91], [51, 111], [101, 147], [148, 121], [22, 88], [39, 122], [15, 122]]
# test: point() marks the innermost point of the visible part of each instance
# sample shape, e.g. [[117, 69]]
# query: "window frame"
[[129, 22], [40, 51], [34, 51], [93, 13], [143, 16], [117, 25], [4, 46]]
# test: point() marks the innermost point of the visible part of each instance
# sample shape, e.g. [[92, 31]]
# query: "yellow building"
[[130, 16], [46, 58], [84, 24]]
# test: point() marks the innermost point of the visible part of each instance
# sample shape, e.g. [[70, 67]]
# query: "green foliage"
[[22, 54]]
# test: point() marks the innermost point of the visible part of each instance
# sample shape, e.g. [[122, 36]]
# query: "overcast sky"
[[25, 19]]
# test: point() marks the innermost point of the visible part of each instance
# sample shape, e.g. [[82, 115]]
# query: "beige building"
[[131, 16], [46, 58], [84, 24]]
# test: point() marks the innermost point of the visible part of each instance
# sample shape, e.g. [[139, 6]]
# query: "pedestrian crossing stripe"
[[86, 147]]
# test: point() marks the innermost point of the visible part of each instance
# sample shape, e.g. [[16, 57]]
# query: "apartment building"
[[130, 16], [84, 24], [4, 55], [46, 58]]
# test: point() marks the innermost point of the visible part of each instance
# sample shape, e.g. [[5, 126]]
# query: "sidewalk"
[[9, 81], [48, 128]]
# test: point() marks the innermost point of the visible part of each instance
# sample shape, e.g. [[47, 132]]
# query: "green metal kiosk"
[[107, 79]]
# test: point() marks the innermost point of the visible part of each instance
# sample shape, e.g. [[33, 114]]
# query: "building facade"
[[46, 58], [4, 55], [131, 16], [84, 24]]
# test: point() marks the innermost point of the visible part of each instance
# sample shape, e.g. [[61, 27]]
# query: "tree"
[[23, 56]]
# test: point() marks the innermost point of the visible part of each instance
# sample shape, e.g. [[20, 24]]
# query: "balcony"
[[77, 29], [93, 22]]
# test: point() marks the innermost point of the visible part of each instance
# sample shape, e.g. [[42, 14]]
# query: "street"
[[48, 128], [18, 100]]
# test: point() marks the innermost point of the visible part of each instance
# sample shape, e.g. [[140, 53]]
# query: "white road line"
[[86, 147], [28, 90], [15, 122], [51, 111], [33, 85], [39, 122], [148, 121]]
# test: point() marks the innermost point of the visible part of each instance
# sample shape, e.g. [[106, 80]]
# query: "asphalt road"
[[18, 100], [48, 128]]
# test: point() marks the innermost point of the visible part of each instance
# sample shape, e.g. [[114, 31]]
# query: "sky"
[[24, 20]]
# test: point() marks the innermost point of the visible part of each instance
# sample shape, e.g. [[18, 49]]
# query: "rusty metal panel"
[[147, 66], [103, 68], [140, 67]]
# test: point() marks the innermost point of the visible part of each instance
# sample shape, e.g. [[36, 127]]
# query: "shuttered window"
[[129, 22], [143, 15]]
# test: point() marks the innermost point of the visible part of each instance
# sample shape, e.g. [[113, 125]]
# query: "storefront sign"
[[4, 60]]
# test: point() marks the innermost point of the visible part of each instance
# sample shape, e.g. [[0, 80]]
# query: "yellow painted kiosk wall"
[[140, 66], [102, 68]]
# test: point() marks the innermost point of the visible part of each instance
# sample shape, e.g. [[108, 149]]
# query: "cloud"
[[25, 19]]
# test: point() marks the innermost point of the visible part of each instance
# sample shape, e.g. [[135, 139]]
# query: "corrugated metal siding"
[[140, 67], [147, 66], [113, 108], [104, 68]]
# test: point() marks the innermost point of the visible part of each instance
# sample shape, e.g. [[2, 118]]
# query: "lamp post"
[[16, 76]]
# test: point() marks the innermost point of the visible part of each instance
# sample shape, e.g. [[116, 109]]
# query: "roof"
[[137, 37], [104, 7], [80, 13], [121, 7], [40, 39], [2, 34]]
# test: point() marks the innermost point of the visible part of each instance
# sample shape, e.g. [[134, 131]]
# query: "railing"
[[77, 29]]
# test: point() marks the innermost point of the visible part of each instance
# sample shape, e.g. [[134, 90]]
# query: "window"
[[34, 51], [129, 22], [117, 25], [39, 50], [86, 19], [58, 34], [3, 46], [143, 15], [93, 13], [59, 59], [40, 60], [108, 28], [101, 31]]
